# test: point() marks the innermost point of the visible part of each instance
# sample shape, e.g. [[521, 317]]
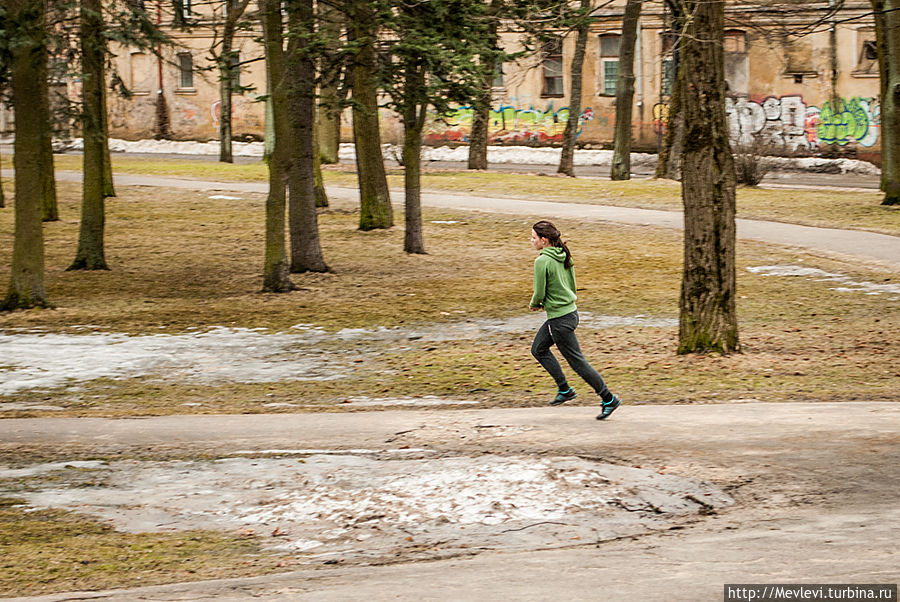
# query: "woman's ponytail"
[[547, 230]]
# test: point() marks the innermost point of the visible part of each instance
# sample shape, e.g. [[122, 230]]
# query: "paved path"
[[815, 485], [870, 246]]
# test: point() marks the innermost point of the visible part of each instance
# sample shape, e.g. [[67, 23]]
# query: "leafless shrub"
[[753, 161]]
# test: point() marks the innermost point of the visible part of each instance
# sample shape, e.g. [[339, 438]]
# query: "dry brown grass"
[[181, 260], [826, 208]]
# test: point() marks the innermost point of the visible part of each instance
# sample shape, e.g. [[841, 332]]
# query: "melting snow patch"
[[225, 197], [41, 360], [360, 506], [849, 285], [218, 355]]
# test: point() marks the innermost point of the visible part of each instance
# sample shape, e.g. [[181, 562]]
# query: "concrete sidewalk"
[[814, 484], [869, 246]]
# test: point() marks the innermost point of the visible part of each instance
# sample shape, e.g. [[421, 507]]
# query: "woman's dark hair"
[[547, 230]]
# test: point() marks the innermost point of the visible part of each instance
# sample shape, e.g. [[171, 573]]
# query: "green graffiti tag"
[[848, 122]]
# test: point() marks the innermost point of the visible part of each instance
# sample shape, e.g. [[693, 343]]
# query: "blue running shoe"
[[564, 396], [609, 407]]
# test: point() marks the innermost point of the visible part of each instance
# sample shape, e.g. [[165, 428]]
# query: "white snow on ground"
[[524, 155], [848, 284], [35, 360], [46, 360], [361, 505]]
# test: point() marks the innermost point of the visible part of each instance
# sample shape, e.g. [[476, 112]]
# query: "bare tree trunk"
[[567, 157], [328, 112], [413, 124], [2, 197], [375, 199], [234, 10], [276, 270], [669, 160], [26, 286], [109, 188], [300, 76], [91, 254], [226, 84], [321, 193], [50, 206], [621, 163], [708, 317], [481, 117], [887, 28]]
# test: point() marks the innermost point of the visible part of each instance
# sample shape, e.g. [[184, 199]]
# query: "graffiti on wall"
[[789, 122], [506, 125]]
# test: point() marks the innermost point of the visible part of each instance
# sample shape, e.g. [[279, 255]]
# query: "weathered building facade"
[[801, 78]]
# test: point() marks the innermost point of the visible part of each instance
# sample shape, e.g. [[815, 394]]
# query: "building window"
[[667, 71], [668, 76], [498, 75], [553, 69], [867, 52], [609, 63], [139, 73], [799, 54], [185, 70], [234, 65], [735, 41], [737, 62]]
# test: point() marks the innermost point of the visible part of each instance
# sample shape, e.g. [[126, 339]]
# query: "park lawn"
[[44, 551], [181, 261], [826, 208]]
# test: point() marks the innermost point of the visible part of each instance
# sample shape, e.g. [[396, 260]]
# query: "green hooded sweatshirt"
[[554, 285]]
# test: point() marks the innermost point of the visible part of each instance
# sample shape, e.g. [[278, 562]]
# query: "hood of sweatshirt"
[[556, 253]]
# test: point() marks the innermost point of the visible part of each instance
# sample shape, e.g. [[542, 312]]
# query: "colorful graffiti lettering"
[[506, 125], [852, 122], [787, 121]]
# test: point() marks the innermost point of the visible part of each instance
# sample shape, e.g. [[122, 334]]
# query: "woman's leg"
[[562, 330], [540, 349]]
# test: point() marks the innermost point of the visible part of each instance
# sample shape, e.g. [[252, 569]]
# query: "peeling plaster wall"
[[768, 101]]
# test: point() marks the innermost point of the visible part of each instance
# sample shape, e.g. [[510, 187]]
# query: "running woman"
[[554, 292]]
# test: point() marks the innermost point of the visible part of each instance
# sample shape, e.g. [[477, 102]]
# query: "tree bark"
[[226, 83], [109, 188], [481, 115], [413, 124], [321, 193], [91, 254], [567, 157], [26, 287], [50, 205], [276, 270], [887, 29], [708, 318], [375, 199], [300, 75], [621, 163], [669, 160], [328, 114], [233, 13]]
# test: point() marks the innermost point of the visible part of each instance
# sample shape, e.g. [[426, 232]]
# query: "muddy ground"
[[801, 492]]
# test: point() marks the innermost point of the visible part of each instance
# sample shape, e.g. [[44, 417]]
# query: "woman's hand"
[[532, 308]]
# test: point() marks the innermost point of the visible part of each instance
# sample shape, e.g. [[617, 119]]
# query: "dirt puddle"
[[332, 506]]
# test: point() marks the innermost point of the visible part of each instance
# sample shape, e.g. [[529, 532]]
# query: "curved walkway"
[[868, 246]]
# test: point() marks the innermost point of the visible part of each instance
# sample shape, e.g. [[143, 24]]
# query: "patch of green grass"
[[45, 551]]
